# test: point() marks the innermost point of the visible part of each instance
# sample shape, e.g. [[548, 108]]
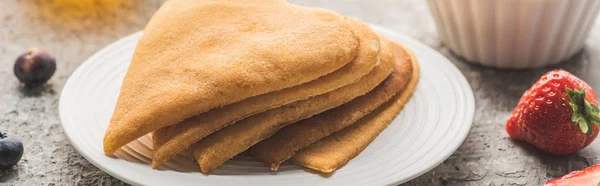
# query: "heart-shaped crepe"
[[289, 140], [220, 146], [199, 55], [171, 140], [328, 154]]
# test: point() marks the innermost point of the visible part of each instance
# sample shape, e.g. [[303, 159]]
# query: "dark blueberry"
[[11, 151], [35, 67]]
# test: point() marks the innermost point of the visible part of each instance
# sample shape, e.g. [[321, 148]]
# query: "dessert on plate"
[[217, 78], [168, 141]]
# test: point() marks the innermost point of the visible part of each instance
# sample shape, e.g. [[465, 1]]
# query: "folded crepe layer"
[[198, 55], [169, 141], [220, 146], [294, 137], [328, 154]]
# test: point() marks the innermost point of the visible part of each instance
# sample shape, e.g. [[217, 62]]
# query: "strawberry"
[[587, 176], [558, 114]]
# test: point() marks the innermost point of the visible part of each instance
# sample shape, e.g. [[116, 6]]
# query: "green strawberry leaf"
[[595, 109], [583, 125], [585, 114], [595, 119], [576, 116], [571, 94]]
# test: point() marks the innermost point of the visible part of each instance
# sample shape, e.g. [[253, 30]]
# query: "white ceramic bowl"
[[514, 33]]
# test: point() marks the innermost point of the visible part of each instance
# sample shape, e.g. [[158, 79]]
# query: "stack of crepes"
[[285, 82]]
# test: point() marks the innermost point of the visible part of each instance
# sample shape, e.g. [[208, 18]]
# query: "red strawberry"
[[587, 176], [554, 116]]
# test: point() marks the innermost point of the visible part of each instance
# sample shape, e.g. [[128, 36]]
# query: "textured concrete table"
[[73, 30]]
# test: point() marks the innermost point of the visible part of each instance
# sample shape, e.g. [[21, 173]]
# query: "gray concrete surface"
[[74, 31]]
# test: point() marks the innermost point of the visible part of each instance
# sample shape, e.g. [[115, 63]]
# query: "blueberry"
[[35, 67], [11, 151]]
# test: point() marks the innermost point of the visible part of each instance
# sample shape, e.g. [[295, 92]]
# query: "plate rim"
[[62, 108], [469, 95], [443, 155]]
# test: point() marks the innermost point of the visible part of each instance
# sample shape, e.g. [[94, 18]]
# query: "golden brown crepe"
[[220, 146], [328, 154], [289, 140], [171, 140], [199, 55]]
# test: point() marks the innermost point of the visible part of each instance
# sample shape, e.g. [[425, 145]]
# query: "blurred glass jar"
[[514, 33]]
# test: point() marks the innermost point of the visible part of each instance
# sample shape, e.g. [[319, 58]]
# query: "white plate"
[[430, 128]]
